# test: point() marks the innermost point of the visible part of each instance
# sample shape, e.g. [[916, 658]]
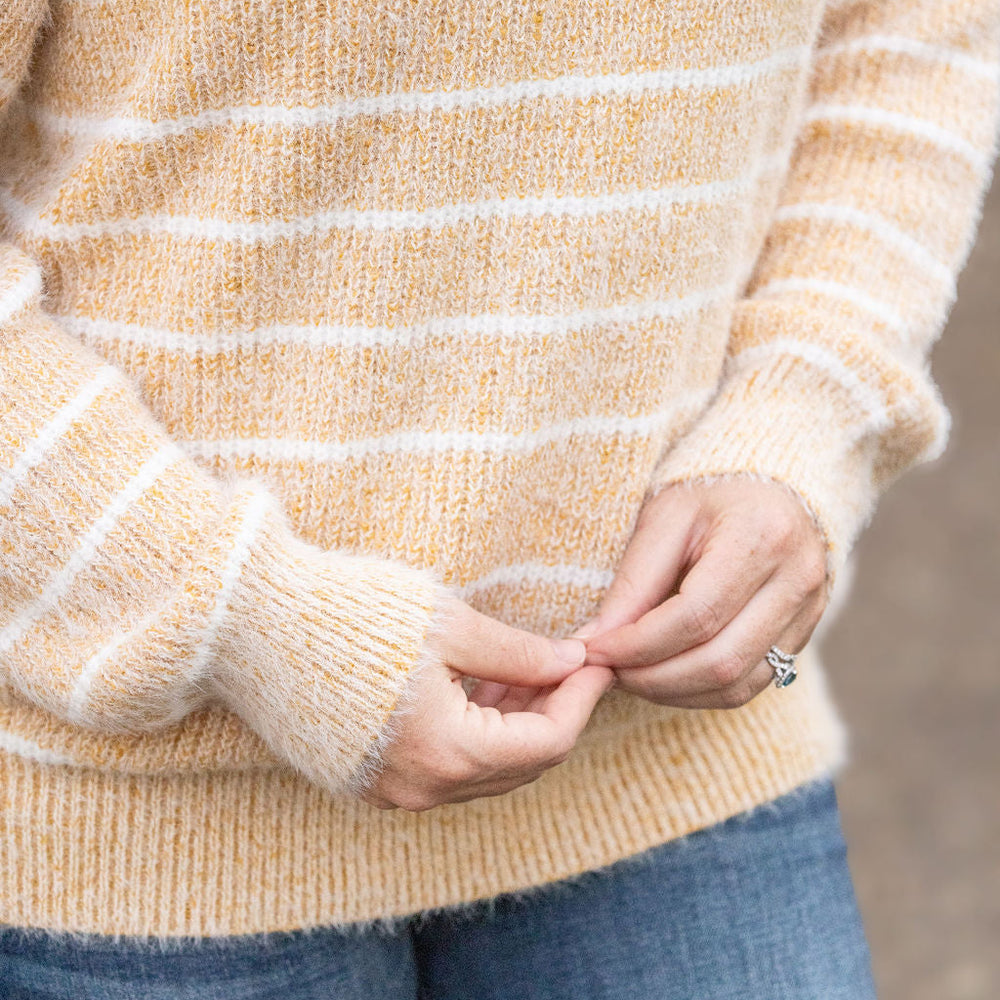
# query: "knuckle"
[[798, 589], [816, 571], [561, 749], [806, 636], [523, 653], [736, 696], [523, 761], [760, 525], [416, 800], [447, 769], [552, 759], [624, 585], [702, 619], [775, 531], [809, 575], [783, 529], [728, 669], [641, 688]]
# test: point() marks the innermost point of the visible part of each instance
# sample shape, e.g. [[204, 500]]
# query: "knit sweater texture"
[[312, 313]]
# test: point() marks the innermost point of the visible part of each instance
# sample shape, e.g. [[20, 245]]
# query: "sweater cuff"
[[790, 416], [324, 651]]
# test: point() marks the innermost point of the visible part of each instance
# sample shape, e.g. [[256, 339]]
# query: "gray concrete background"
[[914, 663]]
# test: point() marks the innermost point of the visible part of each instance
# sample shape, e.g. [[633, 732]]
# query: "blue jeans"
[[759, 907]]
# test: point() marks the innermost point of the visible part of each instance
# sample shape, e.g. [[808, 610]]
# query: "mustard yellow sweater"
[[313, 311]]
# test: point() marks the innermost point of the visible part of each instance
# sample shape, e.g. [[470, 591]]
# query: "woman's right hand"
[[447, 747]]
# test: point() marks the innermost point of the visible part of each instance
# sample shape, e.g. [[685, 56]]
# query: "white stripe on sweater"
[[251, 518], [93, 665], [294, 449], [868, 397], [376, 220], [519, 574], [87, 550], [901, 45], [26, 285], [944, 139], [250, 522], [835, 290], [539, 574], [47, 437], [877, 225], [347, 335], [18, 746], [573, 87]]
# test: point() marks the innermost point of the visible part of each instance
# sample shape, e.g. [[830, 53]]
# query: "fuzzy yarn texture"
[[314, 313]]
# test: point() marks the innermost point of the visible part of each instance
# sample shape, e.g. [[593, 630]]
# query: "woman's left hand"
[[714, 575]]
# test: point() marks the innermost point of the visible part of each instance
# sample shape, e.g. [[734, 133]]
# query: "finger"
[[717, 588], [733, 697], [540, 699], [762, 676], [717, 673], [646, 573], [378, 801], [506, 697], [514, 749], [529, 739], [569, 705], [488, 694], [480, 646], [524, 699], [499, 786]]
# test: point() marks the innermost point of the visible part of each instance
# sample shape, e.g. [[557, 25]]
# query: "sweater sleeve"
[[135, 587], [826, 387]]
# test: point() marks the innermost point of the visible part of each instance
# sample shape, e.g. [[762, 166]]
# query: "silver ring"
[[783, 665]]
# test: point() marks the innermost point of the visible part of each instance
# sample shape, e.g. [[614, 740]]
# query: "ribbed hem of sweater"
[[240, 852]]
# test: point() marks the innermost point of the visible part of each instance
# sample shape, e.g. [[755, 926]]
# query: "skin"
[[713, 575], [453, 747]]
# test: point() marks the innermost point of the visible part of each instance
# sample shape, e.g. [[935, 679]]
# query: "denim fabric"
[[759, 907]]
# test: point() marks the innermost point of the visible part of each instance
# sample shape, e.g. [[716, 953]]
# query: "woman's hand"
[[449, 747], [714, 574]]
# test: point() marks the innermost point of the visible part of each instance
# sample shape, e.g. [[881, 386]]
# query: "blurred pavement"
[[914, 663]]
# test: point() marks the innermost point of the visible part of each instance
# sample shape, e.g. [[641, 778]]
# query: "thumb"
[[560, 721], [647, 572], [480, 646]]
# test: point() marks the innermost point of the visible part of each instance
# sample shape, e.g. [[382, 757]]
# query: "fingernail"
[[586, 631], [569, 650]]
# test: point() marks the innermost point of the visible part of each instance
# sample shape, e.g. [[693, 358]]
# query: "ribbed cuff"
[[786, 420], [320, 650]]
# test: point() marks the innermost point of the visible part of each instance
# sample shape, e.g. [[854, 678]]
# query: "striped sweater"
[[312, 313]]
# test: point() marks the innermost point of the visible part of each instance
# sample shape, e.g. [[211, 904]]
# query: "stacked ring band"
[[783, 665]]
